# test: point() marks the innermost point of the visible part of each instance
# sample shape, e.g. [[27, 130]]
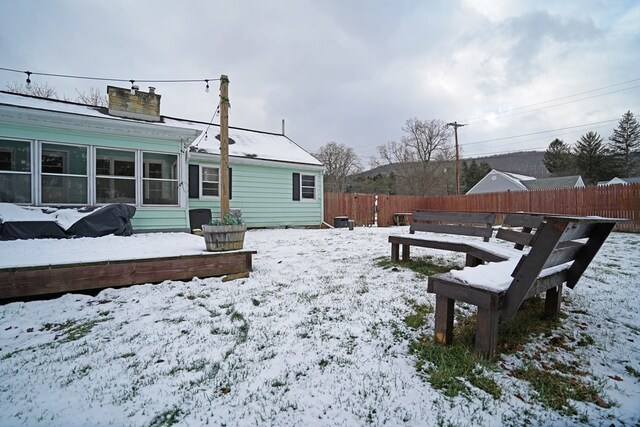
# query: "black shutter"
[[230, 181], [194, 181], [296, 186]]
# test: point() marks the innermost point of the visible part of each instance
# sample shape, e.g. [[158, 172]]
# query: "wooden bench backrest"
[[519, 228], [556, 242], [477, 224]]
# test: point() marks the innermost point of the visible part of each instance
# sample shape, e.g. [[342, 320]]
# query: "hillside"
[[523, 163]]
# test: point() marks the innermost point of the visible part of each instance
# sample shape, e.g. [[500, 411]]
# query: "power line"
[[69, 76], [540, 132], [558, 105], [475, 119], [522, 142]]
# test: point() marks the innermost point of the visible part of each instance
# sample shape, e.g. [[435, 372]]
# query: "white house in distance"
[[616, 180], [497, 181]]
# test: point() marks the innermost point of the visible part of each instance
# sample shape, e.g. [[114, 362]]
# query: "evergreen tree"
[[593, 161], [558, 159], [472, 173], [624, 142]]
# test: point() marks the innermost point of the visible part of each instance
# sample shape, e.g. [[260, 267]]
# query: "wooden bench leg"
[[552, 302], [487, 332], [444, 320], [406, 253], [472, 261], [394, 252]]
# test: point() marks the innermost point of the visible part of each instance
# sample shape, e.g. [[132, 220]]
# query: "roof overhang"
[[26, 116], [238, 160]]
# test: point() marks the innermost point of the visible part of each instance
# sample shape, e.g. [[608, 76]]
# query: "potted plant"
[[225, 234]]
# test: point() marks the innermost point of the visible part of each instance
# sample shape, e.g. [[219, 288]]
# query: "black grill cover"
[[111, 219], [13, 230]]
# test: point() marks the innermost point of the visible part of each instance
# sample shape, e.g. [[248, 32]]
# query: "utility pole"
[[224, 146], [456, 125]]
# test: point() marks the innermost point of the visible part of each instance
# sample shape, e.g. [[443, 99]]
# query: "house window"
[[15, 171], [308, 186], [160, 179], [115, 176], [210, 182], [63, 174]]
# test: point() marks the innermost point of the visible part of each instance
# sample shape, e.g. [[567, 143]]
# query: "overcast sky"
[[350, 71]]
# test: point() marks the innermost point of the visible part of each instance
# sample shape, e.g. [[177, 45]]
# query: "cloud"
[[350, 72]]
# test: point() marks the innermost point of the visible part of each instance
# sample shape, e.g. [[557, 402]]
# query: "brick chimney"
[[137, 105]]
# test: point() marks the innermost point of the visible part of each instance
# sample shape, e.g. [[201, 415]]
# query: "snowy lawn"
[[318, 335]]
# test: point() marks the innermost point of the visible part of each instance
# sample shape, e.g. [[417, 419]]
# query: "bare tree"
[[41, 90], [419, 159], [93, 97], [341, 163]]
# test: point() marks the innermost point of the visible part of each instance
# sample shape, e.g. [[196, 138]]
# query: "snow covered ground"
[[311, 338]]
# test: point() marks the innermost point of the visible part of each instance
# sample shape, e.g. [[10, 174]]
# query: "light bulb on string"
[[206, 89], [28, 78], [133, 88]]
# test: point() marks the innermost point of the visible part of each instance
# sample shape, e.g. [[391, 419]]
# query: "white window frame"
[[31, 172], [40, 174], [95, 174], [141, 169], [315, 187], [201, 181]]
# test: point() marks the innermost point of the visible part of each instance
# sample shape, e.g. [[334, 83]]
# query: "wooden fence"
[[615, 201], [357, 206]]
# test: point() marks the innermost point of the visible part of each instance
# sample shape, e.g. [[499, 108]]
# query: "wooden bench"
[[557, 256], [469, 224], [516, 228]]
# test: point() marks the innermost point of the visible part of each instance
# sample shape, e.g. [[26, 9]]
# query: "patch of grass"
[[425, 265], [167, 418], [554, 389], [634, 328], [417, 319], [236, 317], [255, 302], [450, 368], [528, 322], [71, 330], [585, 340], [632, 371]]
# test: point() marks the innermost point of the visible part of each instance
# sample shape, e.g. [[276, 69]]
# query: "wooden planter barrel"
[[224, 237]]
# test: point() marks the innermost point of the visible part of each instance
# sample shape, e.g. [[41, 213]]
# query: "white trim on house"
[[237, 160], [104, 125]]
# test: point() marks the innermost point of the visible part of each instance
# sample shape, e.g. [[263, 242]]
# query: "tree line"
[[593, 158], [422, 161]]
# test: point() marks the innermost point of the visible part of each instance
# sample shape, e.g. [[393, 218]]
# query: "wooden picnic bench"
[[516, 229], [559, 254]]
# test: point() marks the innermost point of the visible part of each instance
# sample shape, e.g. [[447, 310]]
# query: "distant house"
[[497, 181], [616, 180], [57, 153]]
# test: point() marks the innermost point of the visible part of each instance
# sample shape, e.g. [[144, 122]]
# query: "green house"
[[57, 153]]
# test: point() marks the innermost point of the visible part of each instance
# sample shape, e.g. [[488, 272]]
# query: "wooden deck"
[[31, 281]]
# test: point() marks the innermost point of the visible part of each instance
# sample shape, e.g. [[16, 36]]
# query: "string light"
[[207, 88], [28, 78], [206, 132], [69, 76]]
